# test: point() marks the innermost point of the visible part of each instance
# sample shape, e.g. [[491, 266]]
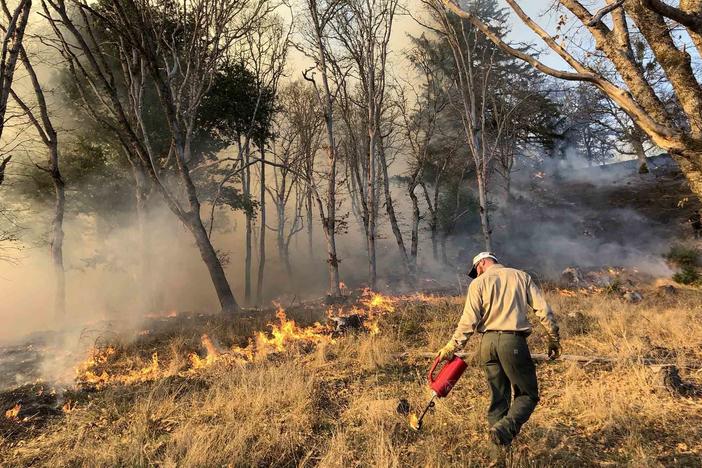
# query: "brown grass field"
[[334, 403]]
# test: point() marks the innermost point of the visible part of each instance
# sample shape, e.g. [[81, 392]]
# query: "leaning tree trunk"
[[193, 219], [56, 237], [390, 209], [214, 266], [262, 234]]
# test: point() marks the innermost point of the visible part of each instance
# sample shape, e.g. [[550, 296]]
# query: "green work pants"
[[509, 368]]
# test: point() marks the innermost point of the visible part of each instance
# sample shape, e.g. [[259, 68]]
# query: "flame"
[[68, 406], [13, 412], [567, 292], [414, 421], [212, 354], [163, 314], [376, 305], [283, 335], [423, 297], [287, 332], [88, 372]]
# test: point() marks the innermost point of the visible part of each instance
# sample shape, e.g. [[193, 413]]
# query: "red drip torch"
[[441, 385]]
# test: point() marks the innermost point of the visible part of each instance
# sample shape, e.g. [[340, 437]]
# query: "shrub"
[[687, 275], [682, 256]]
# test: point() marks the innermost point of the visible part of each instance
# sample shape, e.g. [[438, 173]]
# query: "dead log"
[[669, 380], [543, 357]]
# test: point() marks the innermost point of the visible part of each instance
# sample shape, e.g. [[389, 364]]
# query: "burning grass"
[[214, 394]]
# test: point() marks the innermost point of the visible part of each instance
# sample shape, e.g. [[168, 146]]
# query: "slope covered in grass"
[[333, 403]]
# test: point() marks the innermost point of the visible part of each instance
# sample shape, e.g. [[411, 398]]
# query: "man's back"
[[502, 292], [498, 300]]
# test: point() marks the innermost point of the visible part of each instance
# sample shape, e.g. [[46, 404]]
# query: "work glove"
[[554, 348], [446, 353]]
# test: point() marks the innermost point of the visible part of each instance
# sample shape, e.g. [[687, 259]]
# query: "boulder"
[[572, 276], [632, 297]]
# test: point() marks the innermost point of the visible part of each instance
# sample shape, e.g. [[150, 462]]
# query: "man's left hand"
[[446, 353]]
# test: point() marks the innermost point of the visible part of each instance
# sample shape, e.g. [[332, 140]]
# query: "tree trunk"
[[390, 209], [56, 237], [249, 228], [484, 215], [689, 163], [262, 235], [310, 234], [214, 266], [640, 155], [415, 223], [444, 256], [142, 191], [371, 180]]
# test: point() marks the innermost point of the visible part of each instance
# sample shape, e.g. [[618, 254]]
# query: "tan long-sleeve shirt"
[[498, 300]]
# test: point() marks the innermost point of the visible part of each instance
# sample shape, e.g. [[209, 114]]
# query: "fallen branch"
[[542, 357]]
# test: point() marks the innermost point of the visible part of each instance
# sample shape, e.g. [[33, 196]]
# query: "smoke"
[[582, 217], [593, 216]]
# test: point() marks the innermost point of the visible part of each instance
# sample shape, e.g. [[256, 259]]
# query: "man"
[[496, 307]]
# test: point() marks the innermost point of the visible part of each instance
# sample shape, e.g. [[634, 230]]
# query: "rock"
[[572, 276], [632, 297], [667, 289], [600, 279]]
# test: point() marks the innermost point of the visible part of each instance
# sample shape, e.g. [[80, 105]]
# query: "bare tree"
[[47, 133], [474, 66], [287, 187], [179, 49], [610, 28], [320, 14], [363, 28], [13, 35], [419, 111], [303, 117], [266, 51]]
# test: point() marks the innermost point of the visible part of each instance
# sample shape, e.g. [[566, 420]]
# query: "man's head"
[[482, 262]]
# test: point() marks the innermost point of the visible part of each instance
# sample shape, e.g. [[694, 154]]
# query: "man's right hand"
[[446, 353], [554, 348]]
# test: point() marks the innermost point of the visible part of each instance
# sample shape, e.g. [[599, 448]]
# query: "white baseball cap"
[[481, 256]]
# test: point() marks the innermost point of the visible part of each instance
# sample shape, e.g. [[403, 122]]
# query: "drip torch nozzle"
[[416, 422]]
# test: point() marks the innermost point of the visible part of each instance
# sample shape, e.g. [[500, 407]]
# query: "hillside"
[[298, 388], [304, 397]]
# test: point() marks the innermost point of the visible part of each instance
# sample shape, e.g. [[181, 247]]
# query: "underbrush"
[[335, 404]]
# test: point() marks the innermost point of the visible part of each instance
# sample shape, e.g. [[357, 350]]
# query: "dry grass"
[[335, 405]]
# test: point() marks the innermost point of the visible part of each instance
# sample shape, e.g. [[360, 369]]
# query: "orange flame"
[[376, 306], [212, 354], [88, 372], [13, 412], [68, 406], [287, 332], [567, 292]]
